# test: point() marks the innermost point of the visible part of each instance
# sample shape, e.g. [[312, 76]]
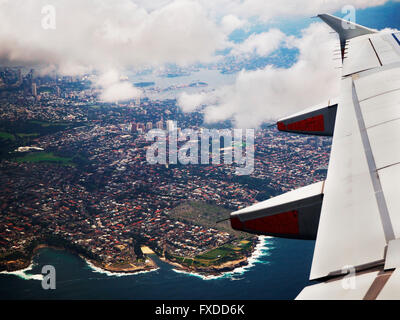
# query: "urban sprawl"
[[74, 174]]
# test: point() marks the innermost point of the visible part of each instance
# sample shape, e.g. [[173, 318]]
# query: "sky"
[[109, 37]]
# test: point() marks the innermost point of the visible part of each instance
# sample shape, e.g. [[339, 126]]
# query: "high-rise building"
[[19, 76], [137, 101], [171, 125], [160, 124], [34, 90]]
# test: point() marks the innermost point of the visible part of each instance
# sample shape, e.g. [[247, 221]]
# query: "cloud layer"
[[104, 36], [112, 36], [272, 9], [98, 34], [270, 93], [261, 44]]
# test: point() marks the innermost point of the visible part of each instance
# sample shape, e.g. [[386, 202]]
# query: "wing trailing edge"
[[294, 214], [317, 120]]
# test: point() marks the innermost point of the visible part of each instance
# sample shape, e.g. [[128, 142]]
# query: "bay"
[[279, 270]]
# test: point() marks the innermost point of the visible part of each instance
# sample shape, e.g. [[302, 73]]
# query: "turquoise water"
[[279, 272]]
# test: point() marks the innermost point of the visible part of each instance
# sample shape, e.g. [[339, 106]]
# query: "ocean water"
[[278, 269]]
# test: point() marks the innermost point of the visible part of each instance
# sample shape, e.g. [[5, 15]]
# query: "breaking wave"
[[260, 250], [23, 273], [115, 274]]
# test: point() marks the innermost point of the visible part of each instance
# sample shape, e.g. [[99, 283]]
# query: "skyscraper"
[[133, 127], [19, 76], [160, 124], [34, 90], [171, 125], [137, 101]]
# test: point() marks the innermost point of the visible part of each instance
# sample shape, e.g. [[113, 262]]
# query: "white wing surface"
[[358, 237]]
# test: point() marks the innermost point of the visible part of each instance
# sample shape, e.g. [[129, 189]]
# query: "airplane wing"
[[354, 215]]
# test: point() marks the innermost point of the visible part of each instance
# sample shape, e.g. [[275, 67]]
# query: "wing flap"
[[294, 214], [391, 289], [317, 120], [387, 48], [361, 56], [355, 288], [393, 255], [390, 178]]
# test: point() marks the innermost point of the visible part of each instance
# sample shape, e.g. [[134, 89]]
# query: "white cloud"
[[99, 33], [114, 89], [120, 91], [191, 102], [230, 23], [106, 35], [122, 33], [261, 44], [270, 93], [108, 78]]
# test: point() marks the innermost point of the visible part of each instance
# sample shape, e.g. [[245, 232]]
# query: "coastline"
[[96, 267], [105, 268], [226, 268], [24, 265], [22, 273], [212, 272], [209, 271], [27, 264]]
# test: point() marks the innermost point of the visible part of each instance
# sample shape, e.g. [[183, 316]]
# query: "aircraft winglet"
[[346, 29]]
